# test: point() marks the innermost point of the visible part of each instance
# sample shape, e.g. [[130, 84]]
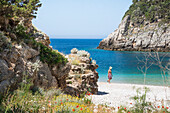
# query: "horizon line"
[[77, 36], [74, 38]]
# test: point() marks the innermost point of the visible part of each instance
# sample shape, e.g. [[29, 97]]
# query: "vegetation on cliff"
[[12, 13], [150, 10], [46, 54]]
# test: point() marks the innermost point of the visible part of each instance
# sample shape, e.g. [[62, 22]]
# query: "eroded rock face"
[[83, 75], [150, 37], [18, 60]]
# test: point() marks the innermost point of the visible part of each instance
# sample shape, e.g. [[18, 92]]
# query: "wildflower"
[[43, 108], [55, 102], [166, 107], [118, 107], [77, 106], [88, 93], [125, 108], [130, 103], [49, 105], [162, 106], [163, 111], [61, 103], [60, 100], [158, 106], [49, 101], [67, 99], [128, 112], [81, 109], [85, 106], [73, 109]]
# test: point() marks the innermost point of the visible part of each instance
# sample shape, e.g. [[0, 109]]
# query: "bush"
[[24, 100], [150, 9], [46, 54]]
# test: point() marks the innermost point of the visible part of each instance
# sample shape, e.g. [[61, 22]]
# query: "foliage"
[[46, 54], [19, 8], [75, 62], [152, 10], [141, 105], [12, 11], [4, 42], [24, 100], [50, 56]]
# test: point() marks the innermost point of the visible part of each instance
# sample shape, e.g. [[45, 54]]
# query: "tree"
[[15, 9], [134, 1]]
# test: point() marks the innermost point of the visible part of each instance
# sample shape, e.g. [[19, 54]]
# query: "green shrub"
[[23, 100], [46, 54], [140, 103], [152, 10]]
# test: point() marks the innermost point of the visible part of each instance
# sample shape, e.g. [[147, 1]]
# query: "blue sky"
[[80, 18]]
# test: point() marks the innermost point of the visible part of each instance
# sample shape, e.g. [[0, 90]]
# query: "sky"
[[80, 18]]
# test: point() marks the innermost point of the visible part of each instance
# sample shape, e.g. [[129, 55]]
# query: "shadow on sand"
[[102, 93]]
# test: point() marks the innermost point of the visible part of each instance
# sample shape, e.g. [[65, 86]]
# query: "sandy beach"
[[115, 94]]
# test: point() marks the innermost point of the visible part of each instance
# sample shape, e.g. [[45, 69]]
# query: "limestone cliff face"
[[20, 59], [147, 37]]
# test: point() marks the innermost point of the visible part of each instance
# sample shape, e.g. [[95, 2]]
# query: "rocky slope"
[[21, 58], [141, 33]]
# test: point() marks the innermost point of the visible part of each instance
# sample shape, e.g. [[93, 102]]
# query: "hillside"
[[144, 27], [25, 51]]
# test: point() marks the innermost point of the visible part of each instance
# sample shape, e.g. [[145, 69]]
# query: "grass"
[[25, 100]]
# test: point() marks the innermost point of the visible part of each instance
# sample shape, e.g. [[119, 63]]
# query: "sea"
[[127, 66]]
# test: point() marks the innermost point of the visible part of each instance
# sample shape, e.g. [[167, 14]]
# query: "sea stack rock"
[[143, 28], [83, 76]]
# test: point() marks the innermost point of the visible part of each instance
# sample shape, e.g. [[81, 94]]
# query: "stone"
[[5, 73], [74, 51], [18, 60], [83, 76], [148, 37]]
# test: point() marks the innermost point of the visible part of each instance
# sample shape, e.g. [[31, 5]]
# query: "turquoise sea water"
[[125, 64]]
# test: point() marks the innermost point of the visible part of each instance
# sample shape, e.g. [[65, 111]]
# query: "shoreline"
[[116, 94], [100, 82]]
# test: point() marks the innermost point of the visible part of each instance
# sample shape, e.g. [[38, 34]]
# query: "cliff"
[[145, 27], [25, 53]]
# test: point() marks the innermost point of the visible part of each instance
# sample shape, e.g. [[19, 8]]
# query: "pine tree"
[[14, 9]]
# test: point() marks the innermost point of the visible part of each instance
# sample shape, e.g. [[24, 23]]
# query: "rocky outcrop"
[[146, 37], [18, 60], [83, 76]]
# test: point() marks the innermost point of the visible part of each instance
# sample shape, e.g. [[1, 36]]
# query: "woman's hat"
[[110, 67]]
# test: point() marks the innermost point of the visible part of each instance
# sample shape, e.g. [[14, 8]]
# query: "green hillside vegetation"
[[11, 13], [149, 10]]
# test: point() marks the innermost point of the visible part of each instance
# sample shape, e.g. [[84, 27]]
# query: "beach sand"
[[115, 94]]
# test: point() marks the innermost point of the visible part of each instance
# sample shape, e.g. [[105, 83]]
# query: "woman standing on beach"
[[109, 74]]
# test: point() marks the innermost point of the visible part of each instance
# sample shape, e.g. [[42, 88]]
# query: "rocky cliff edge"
[[26, 53], [147, 37]]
